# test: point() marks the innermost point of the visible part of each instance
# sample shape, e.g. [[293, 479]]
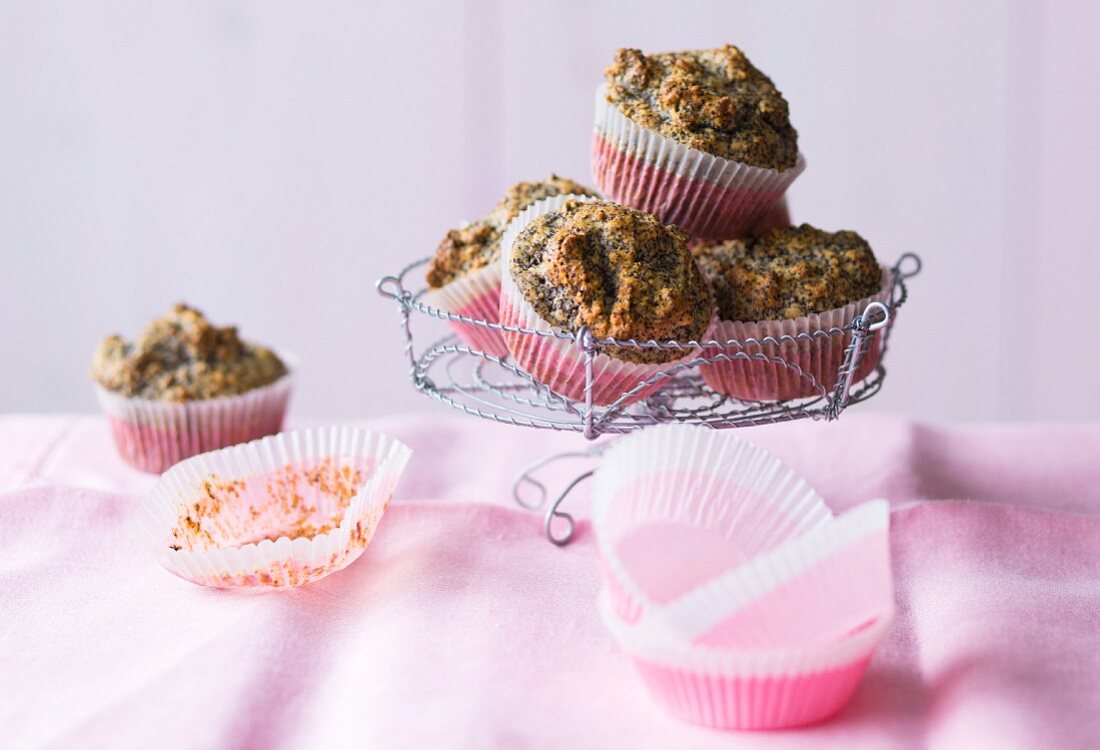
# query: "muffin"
[[616, 271], [464, 275], [790, 281], [185, 387], [701, 139]]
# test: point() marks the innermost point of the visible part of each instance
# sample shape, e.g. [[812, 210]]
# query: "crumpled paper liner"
[[282, 511]]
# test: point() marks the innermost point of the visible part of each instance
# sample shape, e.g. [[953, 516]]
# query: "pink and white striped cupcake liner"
[[750, 690], [773, 607], [706, 195], [475, 295]]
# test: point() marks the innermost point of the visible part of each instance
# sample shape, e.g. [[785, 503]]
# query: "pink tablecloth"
[[461, 627]]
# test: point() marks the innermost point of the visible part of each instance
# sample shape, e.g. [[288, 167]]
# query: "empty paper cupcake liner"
[[282, 511], [715, 500], [835, 578], [753, 371], [153, 435], [743, 602], [556, 361], [706, 195], [750, 689], [475, 295]]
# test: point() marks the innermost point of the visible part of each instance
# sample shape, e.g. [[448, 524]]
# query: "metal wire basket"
[[497, 389]]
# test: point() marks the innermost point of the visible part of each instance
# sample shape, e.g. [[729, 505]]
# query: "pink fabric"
[[461, 627]]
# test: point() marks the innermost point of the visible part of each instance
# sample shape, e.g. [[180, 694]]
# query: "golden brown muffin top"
[[477, 245], [617, 270], [182, 357], [789, 273], [712, 100]]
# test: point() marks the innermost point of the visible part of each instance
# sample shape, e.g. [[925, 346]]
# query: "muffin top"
[[789, 273], [711, 100], [477, 245], [617, 270], [182, 357]]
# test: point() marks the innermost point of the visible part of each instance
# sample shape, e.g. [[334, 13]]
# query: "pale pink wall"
[[270, 160]]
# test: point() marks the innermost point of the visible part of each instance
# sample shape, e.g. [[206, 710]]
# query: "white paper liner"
[[706, 195], [475, 295], [821, 357], [690, 476], [251, 501], [749, 689], [559, 363], [153, 435], [642, 644], [815, 588], [777, 217]]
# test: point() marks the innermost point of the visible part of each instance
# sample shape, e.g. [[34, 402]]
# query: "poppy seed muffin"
[[477, 245], [714, 101], [182, 357], [788, 273], [617, 270]]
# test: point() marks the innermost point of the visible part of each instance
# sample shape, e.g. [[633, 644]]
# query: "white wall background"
[[268, 161]]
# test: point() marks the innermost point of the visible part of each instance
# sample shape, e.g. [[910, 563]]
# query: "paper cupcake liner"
[[757, 379], [154, 435], [559, 363], [816, 588], [704, 498], [705, 195], [777, 217], [281, 511], [475, 295], [733, 689]]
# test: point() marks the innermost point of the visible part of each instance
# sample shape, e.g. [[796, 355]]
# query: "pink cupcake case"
[[773, 606]]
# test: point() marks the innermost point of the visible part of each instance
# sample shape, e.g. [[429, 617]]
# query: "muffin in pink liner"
[[573, 263], [464, 274], [749, 689], [184, 387], [704, 498], [787, 295], [699, 138], [281, 511]]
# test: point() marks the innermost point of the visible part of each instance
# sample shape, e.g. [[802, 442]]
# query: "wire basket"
[[496, 388]]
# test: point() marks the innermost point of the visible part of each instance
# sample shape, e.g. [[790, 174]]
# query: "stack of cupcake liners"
[[554, 358], [743, 602], [285, 510]]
